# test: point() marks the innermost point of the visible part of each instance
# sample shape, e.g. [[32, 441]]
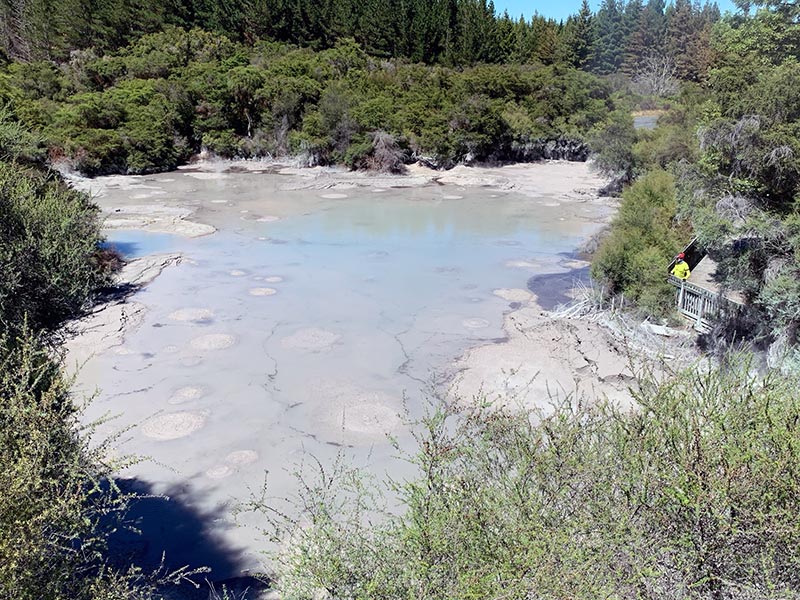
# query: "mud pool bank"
[[305, 312]]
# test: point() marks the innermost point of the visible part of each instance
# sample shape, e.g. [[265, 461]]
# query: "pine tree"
[[582, 36], [681, 32], [608, 49], [506, 37], [545, 34], [630, 24], [648, 37], [376, 30], [524, 43]]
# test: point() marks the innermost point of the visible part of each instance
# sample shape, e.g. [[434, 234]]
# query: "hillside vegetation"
[[167, 96], [114, 88], [693, 494], [731, 152]]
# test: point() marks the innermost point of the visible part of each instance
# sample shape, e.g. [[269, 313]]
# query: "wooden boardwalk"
[[696, 303], [700, 297], [704, 275]]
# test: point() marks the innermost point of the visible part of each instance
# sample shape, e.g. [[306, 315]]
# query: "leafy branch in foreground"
[[690, 494], [60, 503]]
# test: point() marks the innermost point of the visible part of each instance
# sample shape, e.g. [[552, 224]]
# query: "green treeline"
[[151, 105], [450, 32], [114, 86]]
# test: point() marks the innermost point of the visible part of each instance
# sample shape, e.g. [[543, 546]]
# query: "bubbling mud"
[[522, 264], [192, 315], [312, 339], [242, 457], [186, 394], [219, 472], [173, 426], [262, 291], [475, 323], [213, 341]]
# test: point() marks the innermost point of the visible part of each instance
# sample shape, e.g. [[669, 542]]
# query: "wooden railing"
[[696, 303]]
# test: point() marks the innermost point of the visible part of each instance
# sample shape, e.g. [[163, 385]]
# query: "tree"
[[582, 36], [656, 77], [647, 39], [608, 35]]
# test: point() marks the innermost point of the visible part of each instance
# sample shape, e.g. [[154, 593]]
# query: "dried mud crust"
[[106, 326], [545, 358]]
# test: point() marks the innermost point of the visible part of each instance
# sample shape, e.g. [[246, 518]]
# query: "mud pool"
[[307, 324]]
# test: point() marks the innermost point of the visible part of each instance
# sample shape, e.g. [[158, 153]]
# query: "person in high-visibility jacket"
[[681, 269]]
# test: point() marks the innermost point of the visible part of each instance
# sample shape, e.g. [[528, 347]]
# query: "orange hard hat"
[[681, 255]]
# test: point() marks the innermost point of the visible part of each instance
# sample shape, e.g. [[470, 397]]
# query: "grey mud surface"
[[309, 311]]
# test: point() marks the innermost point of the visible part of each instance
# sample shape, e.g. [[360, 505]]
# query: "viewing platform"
[[701, 296]]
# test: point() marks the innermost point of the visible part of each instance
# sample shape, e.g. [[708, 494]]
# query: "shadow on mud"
[[168, 532], [554, 289]]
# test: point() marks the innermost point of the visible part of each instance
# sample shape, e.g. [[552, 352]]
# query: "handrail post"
[[700, 312]]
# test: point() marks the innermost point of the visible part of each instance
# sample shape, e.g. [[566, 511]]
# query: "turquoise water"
[[135, 244], [335, 318]]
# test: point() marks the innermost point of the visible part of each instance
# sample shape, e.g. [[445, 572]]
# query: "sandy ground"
[[546, 358], [565, 180], [146, 209], [549, 357]]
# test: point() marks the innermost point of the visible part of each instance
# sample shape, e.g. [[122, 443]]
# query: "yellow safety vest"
[[681, 270]]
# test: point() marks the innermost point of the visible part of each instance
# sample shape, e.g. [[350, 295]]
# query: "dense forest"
[[693, 494], [618, 37], [112, 88]]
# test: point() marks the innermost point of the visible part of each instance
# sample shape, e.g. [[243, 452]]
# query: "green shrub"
[[612, 142], [58, 502], [644, 236], [17, 143], [692, 494], [221, 143], [50, 262]]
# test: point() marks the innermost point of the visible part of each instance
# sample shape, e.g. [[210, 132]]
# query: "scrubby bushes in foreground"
[[49, 243], [56, 492], [691, 494], [58, 502]]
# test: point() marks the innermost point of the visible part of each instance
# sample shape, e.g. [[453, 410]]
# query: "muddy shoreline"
[[254, 296], [542, 354]]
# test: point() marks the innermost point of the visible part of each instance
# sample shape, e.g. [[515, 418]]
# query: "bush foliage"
[[645, 235], [59, 501], [50, 260], [691, 494], [170, 94]]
